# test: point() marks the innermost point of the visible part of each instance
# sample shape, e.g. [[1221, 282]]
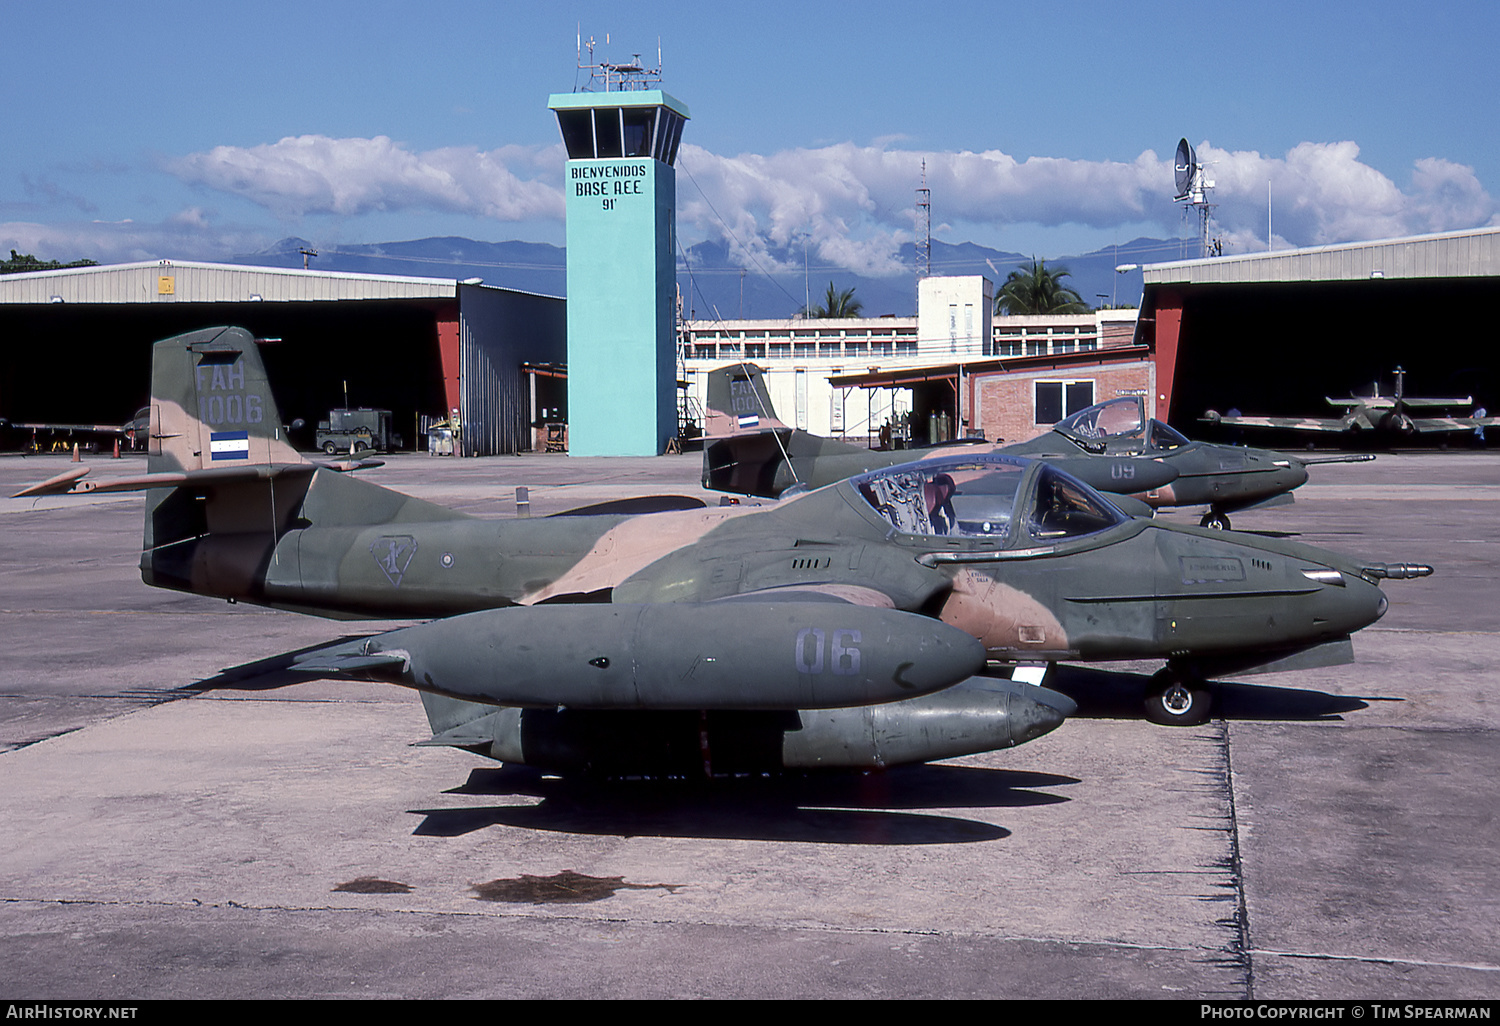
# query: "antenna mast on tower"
[[924, 228], [1193, 187], [618, 77]]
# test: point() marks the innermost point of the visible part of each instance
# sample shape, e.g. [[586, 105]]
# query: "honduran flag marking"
[[749, 420], [229, 445]]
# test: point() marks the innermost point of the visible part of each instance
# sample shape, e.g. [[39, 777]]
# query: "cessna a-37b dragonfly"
[[849, 627], [1364, 416], [1112, 446]]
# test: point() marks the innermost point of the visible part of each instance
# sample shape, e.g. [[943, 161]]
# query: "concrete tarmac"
[[1332, 835]]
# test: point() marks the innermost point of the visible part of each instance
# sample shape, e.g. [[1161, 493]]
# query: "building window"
[[609, 140], [1058, 399], [640, 130], [577, 132]]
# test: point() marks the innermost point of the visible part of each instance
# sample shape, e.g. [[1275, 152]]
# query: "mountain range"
[[715, 286]]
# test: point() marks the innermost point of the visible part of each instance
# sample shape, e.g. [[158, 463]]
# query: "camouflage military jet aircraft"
[[1390, 416], [847, 627], [133, 432], [1112, 446]]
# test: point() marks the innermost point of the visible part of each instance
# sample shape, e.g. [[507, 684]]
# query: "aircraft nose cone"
[[1290, 477], [1356, 604], [1037, 711]]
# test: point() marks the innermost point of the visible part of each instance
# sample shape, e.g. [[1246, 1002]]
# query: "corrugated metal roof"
[[172, 281], [1467, 254]]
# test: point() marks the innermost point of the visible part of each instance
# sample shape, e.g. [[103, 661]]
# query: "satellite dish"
[[1185, 168]]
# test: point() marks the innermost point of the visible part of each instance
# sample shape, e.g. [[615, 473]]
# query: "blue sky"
[[202, 130]]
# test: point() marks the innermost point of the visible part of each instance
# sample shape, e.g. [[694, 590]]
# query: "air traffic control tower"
[[621, 211]]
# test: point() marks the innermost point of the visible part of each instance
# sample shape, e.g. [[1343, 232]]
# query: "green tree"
[[22, 262], [1038, 290], [835, 304]]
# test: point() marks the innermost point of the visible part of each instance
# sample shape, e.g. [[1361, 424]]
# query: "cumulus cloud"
[[189, 234], [856, 204], [1321, 193], [315, 174], [853, 206]]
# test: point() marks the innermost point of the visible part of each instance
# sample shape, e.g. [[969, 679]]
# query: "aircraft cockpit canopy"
[[1165, 437], [1067, 508], [1124, 417], [1117, 423], [974, 497], [982, 497]]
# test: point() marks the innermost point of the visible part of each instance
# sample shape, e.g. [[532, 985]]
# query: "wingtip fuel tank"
[[977, 715], [718, 655]]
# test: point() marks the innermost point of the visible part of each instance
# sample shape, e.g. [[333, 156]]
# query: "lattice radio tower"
[[1193, 187], [924, 228]]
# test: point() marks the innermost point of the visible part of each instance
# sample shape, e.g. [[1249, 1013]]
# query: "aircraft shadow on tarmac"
[[1113, 694], [836, 807]]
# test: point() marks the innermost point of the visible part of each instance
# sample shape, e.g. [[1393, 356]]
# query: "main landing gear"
[[1213, 518], [1178, 699]]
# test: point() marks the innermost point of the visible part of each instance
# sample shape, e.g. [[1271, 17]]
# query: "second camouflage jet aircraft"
[[1112, 446]]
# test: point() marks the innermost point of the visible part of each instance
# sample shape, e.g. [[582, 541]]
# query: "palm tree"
[[835, 304], [1038, 290]]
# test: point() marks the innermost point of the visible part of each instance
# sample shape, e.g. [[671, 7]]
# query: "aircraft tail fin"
[[769, 462], [211, 405], [223, 479], [738, 402]]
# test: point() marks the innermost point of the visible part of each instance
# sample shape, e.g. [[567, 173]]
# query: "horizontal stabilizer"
[[62, 484], [72, 483]]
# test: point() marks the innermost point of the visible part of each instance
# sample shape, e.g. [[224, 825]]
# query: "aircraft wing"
[[1439, 425], [1280, 423], [94, 429]]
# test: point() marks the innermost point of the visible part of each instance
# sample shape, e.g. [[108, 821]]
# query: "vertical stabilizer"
[[211, 405], [738, 403]]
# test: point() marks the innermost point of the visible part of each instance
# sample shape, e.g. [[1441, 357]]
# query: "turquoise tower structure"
[[621, 216]]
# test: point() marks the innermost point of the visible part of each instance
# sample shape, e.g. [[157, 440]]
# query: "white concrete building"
[[954, 324]]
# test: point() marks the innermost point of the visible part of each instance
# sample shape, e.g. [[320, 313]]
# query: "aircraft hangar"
[[1274, 333], [77, 344]]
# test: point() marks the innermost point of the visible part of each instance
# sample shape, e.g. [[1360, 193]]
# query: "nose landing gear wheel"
[[1218, 521], [1178, 703]]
